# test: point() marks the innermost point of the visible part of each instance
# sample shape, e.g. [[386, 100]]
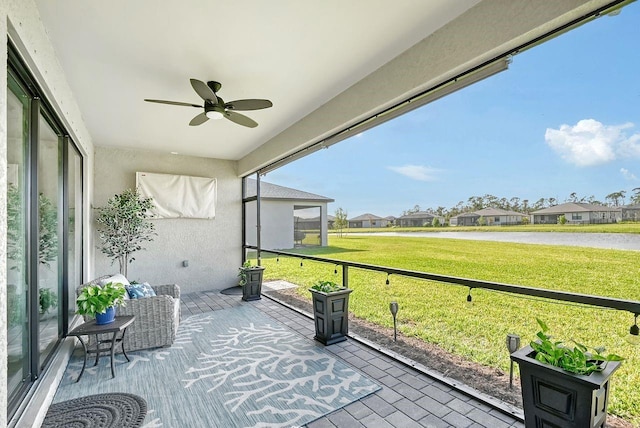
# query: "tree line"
[[525, 206]]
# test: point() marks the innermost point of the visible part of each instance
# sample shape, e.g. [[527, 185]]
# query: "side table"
[[91, 328]]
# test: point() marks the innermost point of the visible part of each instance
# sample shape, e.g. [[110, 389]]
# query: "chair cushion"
[[139, 291]]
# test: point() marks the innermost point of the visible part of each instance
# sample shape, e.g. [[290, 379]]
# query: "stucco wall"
[[212, 247]]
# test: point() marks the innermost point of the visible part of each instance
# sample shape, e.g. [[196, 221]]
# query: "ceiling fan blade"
[[240, 119], [248, 104], [204, 91], [174, 103], [198, 120]]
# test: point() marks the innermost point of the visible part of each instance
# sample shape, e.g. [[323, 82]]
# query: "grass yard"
[[439, 313]]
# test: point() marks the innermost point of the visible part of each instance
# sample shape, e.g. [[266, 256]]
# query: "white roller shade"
[[179, 196]]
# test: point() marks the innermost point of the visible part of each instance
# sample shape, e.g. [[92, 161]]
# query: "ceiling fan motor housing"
[[215, 86]]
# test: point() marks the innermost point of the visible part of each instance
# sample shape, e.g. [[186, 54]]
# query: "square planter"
[[555, 398], [331, 315], [253, 288]]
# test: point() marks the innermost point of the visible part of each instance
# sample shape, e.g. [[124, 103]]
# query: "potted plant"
[[123, 226], [564, 386], [47, 299], [330, 311], [250, 279], [100, 301]]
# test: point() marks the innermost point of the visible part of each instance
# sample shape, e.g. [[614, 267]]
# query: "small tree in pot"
[[123, 226]]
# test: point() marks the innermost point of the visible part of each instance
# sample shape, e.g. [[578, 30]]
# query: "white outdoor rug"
[[229, 368]]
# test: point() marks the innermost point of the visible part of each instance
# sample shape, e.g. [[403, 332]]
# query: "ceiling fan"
[[216, 108]]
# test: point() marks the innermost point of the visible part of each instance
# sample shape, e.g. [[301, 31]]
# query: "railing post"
[[345, 276]]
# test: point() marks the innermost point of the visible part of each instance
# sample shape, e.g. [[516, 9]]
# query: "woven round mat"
[[119, 410]]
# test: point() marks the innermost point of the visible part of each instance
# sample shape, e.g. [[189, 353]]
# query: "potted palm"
[[563, 385], [250, 279], [100, 301], [330, 311]]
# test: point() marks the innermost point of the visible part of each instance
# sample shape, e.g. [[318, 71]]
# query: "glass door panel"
[[74, 227], [49, 237], [18, 357]]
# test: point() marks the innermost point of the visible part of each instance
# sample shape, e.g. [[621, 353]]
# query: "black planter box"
[[331, 315], [253, 288], [555, 398]]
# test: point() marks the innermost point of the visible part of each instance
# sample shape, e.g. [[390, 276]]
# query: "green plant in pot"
[[564, 385], [100, 301], [250, 279], [47, 300], [330, 311]]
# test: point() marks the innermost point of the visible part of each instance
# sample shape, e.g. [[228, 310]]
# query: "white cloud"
[[590, 142], [417, 172], [628, 174]]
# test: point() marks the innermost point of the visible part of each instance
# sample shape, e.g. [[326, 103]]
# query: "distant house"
[[631, 212], [281, 211], [577, 213], [367, 220], [418, 219], [490, 216], [391, 220]]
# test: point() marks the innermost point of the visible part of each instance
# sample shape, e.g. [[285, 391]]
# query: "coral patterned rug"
[[230, 368]]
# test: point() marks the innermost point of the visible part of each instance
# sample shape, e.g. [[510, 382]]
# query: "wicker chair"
[[157, 318]]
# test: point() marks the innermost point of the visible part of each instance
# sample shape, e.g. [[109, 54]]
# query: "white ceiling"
[[297, 53]]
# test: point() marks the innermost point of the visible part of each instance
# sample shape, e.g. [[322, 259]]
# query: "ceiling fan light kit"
[[215, 108]]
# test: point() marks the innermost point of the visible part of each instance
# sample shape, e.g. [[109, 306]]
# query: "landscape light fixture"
[[301, 260], [278, 258], [469, 298], [335, 270], [387, 281], [393, 307], [634, 332], [513, 344]]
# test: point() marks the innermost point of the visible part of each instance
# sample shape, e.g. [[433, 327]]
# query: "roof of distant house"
[[490, 212], [366, 216], [575, 207], [419, 214], [273, 191]]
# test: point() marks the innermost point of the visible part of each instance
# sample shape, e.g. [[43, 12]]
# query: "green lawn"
[[439, 313]]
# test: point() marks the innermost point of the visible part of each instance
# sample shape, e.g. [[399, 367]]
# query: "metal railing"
[[585, 299]]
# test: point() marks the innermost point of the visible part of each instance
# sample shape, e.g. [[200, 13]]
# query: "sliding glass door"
[[44, 231]]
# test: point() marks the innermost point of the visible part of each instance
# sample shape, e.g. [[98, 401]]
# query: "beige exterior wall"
[[276, 218], [212, 247]]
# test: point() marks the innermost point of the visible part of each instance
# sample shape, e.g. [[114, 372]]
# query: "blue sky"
[[565, 117]]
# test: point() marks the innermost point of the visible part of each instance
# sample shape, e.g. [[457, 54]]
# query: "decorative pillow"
[[117, 278], [139, 291]]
